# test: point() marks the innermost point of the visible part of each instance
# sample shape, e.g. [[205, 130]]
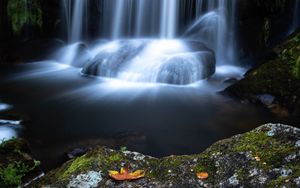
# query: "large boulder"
[[268, 156], [186, 68], [278, 77], [177, 62], [112, 56]]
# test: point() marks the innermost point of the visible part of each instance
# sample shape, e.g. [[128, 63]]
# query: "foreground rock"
[[16, 164], [268, 156], [276, 83]]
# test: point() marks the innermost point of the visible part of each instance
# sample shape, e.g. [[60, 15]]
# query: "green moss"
[[78, 165], [269, 149], [296, 68], [21, 12], [12, 174], [242, 174], [200, 168], [114, 158], [279, 182], [279, 76]]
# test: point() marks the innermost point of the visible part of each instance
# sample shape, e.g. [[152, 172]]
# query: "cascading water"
[[132, 59], [169, 18], [215, 27], [75, 12]]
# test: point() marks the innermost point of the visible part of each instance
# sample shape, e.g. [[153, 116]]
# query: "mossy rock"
[[279, 77], [16, 164], [268, 156]]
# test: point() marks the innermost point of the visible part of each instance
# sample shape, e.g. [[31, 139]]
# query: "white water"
[[75, 13], [118, 19], [169, 14], [160, 19], [216, 28]]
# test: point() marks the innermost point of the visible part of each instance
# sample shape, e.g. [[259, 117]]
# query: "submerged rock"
[[253, 159], [112, 56], [177, 62], [186, 68]]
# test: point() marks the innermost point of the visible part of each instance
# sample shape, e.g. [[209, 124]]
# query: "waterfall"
[[118, 19], [140, 18], [215, 27], [166, 41], [75, 13], [168, 19]]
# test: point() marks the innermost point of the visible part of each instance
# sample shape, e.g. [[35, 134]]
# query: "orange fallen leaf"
[[124, 174], [202, 175], [257, 158]]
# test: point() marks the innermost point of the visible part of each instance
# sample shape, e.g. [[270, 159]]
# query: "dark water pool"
[[66, 110]]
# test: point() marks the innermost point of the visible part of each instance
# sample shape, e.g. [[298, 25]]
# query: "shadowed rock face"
[[265, 157], [172, 62], [278, 77]]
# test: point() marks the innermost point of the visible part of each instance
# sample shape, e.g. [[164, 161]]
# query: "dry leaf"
[[257, 158], [202, 175], [124, 174]]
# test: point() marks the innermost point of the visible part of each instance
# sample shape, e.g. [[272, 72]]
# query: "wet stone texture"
[[268, 156], [276, 82], [17, 166]]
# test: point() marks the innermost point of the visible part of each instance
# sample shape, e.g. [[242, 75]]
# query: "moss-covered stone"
[[279, 77], [16, 164], [266, 156]]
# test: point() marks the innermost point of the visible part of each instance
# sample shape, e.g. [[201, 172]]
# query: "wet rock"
[[231, 81], [112, 56], [88, 180], [177, 62], [187, 68], [231, 162], [266, 99], [76, 54], [77, 152], [17, 166], [279, 78]]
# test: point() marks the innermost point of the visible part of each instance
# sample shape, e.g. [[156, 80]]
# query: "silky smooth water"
[[68, 111]]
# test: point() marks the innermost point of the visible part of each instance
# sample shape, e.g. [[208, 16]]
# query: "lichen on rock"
[[253, 159]]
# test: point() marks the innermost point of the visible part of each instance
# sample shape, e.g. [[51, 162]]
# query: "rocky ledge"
[[268, 156], [275, 83]]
